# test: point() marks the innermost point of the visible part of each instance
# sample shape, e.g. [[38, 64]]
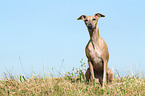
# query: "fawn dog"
[[96, 52]]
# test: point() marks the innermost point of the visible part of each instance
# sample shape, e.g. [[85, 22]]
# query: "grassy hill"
[[71, 84]]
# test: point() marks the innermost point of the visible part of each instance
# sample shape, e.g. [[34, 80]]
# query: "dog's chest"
[[92, 51], [94, 56]]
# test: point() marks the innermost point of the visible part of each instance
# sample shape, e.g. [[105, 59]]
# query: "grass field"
[[71, 84]]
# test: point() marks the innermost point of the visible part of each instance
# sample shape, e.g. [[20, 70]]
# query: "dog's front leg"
[[104, 73], [91, 70]]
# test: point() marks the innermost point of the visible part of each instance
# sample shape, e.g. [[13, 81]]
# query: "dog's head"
[[91, 21]]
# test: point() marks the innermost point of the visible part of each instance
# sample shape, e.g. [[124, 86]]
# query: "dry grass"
[[72, 84]]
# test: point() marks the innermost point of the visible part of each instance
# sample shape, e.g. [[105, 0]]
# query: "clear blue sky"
[[36, 36]]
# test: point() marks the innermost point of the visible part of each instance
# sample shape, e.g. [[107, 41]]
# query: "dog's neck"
[[94, 34]]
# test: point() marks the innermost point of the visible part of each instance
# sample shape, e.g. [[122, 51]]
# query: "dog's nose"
[[89, 25]]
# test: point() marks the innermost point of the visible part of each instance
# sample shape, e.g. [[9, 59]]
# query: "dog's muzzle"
[[90, 26]]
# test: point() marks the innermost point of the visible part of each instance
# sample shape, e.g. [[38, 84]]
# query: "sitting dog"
[[96, 52]]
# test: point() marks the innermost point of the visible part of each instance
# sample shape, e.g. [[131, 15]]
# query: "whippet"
[[96, 52]]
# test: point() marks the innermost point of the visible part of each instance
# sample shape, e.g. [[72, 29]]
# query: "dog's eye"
[[86, 20], [94, 19]]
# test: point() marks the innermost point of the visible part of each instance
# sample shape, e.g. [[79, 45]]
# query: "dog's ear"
[[82, 17], [98, 15]]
